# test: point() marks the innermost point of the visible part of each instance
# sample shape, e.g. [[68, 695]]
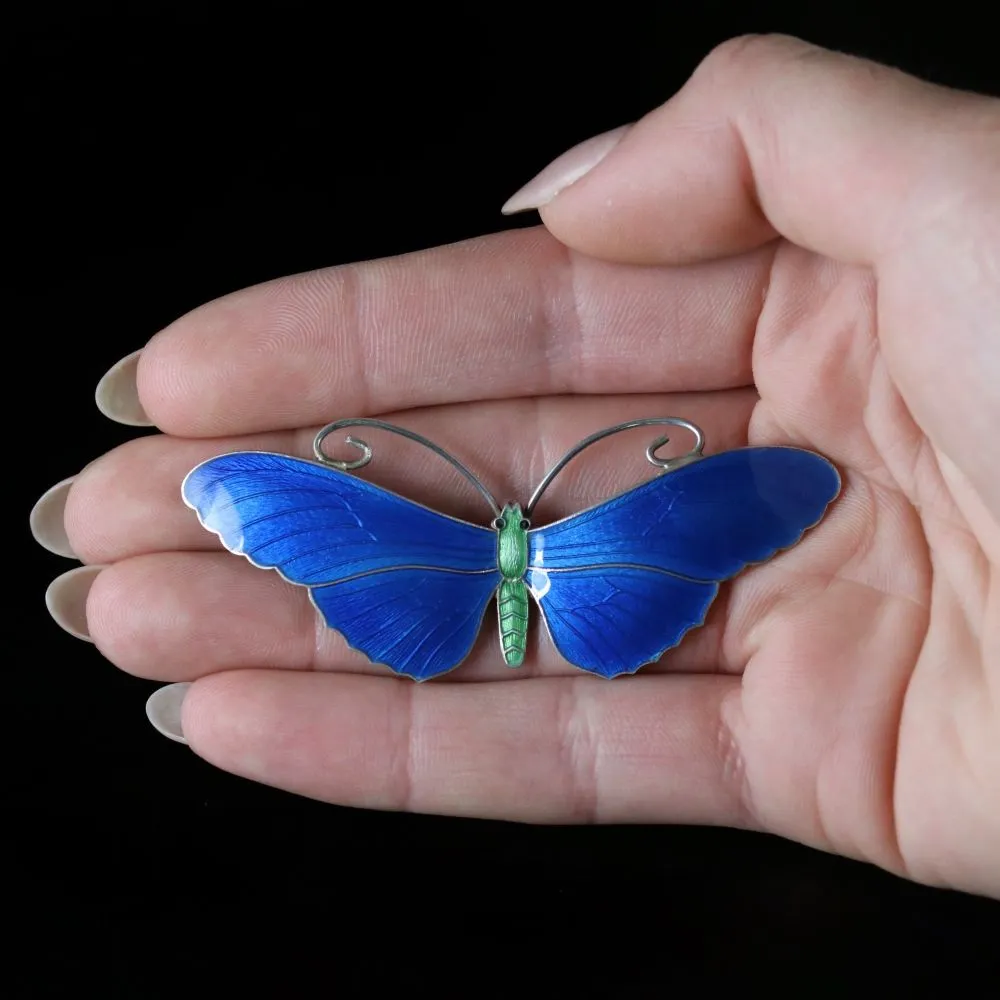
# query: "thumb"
[[769, 136]]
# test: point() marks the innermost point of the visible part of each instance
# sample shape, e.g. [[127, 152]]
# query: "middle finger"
[[128, 502]]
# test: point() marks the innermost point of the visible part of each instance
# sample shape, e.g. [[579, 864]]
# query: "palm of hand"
[[802, 707], [864, 714]]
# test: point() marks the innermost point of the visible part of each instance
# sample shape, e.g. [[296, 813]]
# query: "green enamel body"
[[512, 597]]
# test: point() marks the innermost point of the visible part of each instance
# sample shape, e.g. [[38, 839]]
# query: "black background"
[[157, 159]]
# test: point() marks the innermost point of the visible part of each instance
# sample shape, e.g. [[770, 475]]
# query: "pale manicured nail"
[[66, 599], [563, 171], [48, 521], [163, 709], [117, 393]]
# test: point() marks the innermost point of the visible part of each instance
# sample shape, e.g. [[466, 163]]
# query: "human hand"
[[825, 238]]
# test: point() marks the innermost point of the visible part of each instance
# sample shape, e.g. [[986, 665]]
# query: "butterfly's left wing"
[[621, 583], [404, 584]]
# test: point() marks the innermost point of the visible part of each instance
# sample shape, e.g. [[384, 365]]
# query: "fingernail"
[[66, 599], [163, 709], [48, 519], [563, 171], [117, 393]]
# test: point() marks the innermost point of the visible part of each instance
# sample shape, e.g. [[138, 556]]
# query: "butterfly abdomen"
[[512, 601]]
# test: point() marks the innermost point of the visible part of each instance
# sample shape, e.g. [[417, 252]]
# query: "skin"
[[798, 248]]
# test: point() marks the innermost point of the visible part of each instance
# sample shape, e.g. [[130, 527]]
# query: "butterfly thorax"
[[512, 542], [512, 598]]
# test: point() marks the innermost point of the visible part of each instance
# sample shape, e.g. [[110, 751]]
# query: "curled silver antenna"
[[366, 452], [665, 464]]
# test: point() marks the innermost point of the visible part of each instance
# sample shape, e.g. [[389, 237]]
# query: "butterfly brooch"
[[617, 584]]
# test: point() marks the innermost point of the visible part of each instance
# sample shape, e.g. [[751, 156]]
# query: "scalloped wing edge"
[[656, 659]]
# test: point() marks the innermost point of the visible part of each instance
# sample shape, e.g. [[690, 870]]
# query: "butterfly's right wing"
[[402, 583], [621, 583]]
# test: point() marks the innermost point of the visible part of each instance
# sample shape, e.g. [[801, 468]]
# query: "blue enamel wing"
[[617, 584]]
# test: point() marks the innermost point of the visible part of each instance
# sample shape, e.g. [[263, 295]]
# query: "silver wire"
[[366, 452], [666, 464]]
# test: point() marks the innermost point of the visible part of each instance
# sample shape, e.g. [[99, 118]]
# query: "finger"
[[846, 158], [653, 749], [180, 616], [771, 135], [508, 315], [128, 502]]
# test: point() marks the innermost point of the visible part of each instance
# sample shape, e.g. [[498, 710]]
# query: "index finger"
[[510, 315]]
